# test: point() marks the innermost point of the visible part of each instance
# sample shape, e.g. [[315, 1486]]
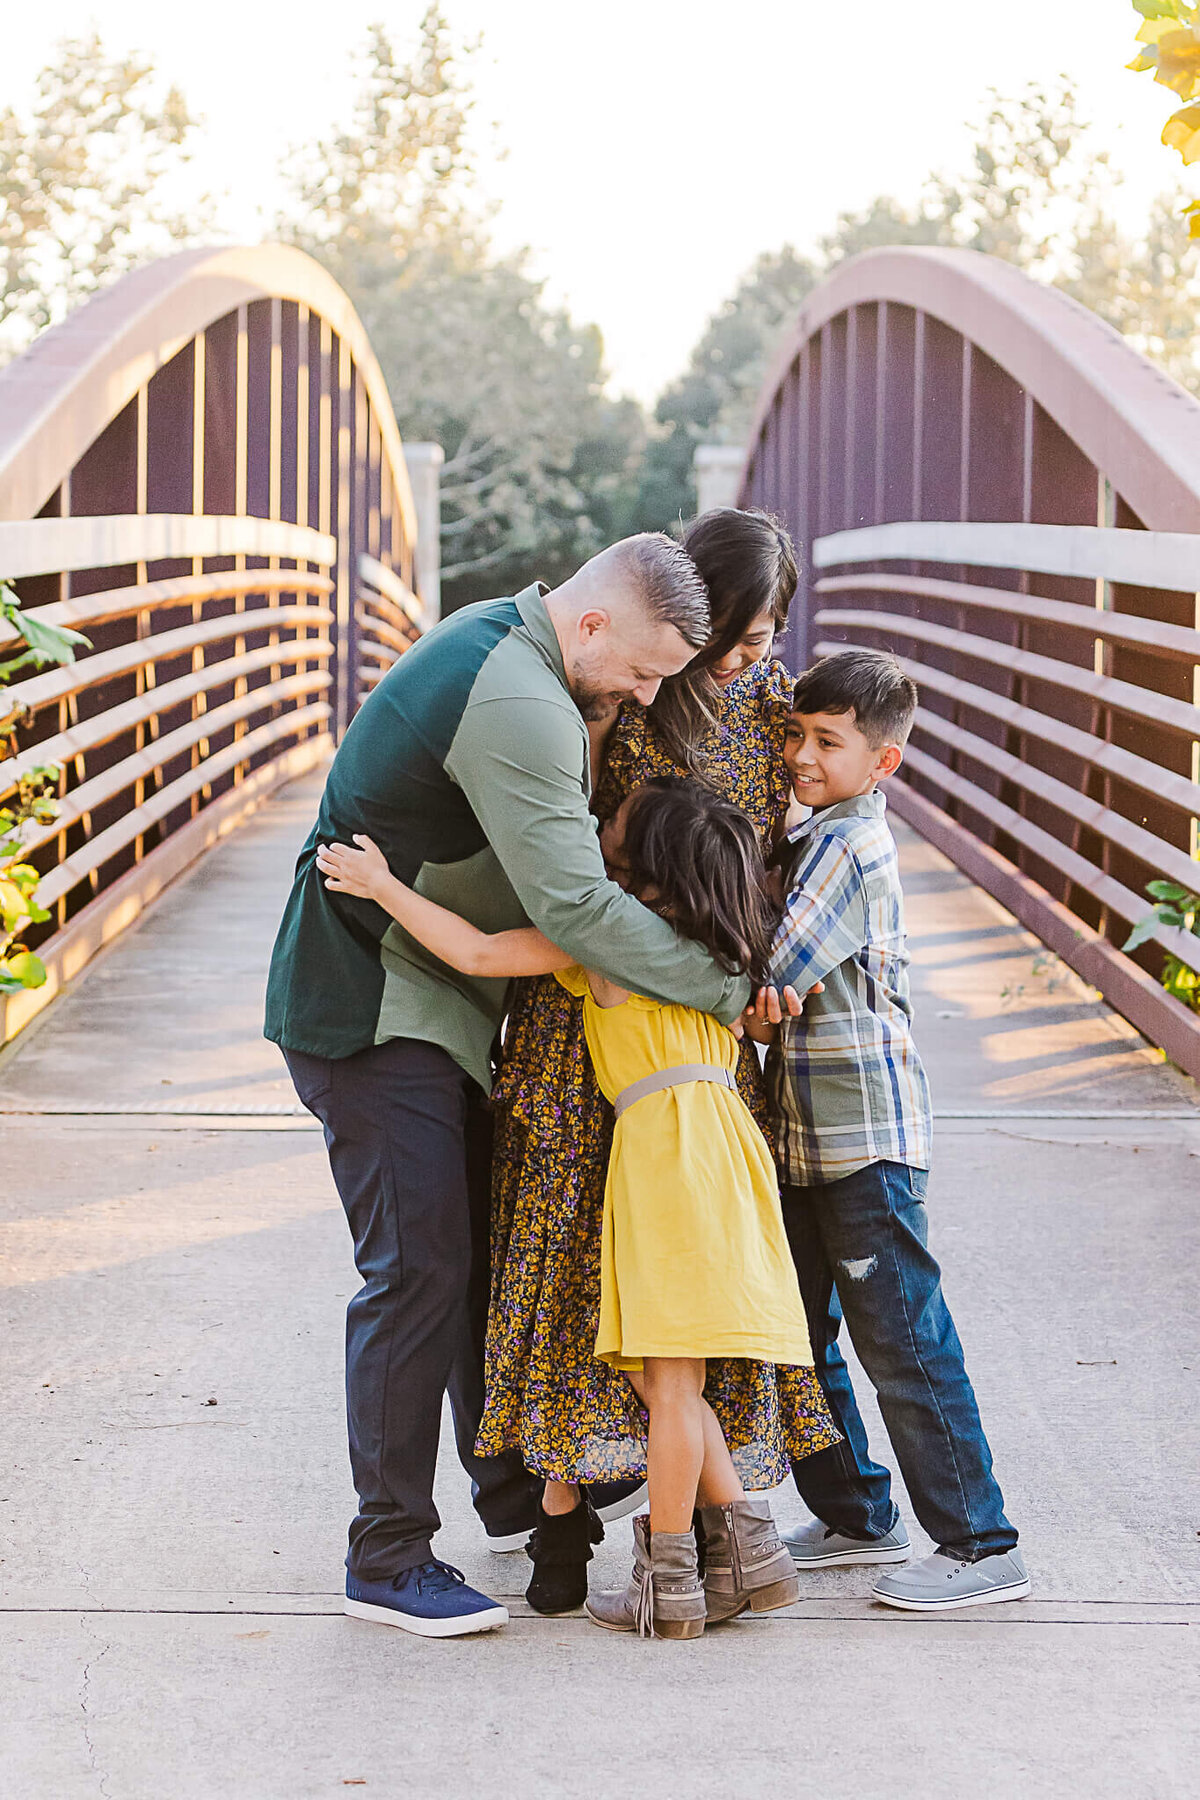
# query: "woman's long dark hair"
[[749, 567], [696, 858]]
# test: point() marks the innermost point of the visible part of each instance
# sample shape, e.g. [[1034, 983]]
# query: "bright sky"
[[653, 147]]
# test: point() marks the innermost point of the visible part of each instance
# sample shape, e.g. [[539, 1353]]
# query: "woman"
[[572, 1416]]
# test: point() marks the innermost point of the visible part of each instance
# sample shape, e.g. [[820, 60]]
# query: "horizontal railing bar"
[[1110, 893], [1163, 858], [1137, 771], [375, 631], [78, 739], [56, 684], [372, 615], [60, 546], [1134, 992], [1122, 696], [136, 823], [1122, 628], [391, 586], [152, 757], [1154, 559], [120, 603]]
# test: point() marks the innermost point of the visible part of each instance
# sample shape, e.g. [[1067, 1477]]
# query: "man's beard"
[[594, 701]]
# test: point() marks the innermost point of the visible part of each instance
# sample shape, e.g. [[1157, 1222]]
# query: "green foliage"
[[1178, 907], [45, 643], [401, 176], [1034, 192], [713, 401], [31, 800], [538, 458], [81, 173]]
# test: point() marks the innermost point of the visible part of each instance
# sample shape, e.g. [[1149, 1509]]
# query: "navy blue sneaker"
[[432, 1601]]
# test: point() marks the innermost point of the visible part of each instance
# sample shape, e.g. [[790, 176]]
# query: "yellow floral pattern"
[[572, 1417]]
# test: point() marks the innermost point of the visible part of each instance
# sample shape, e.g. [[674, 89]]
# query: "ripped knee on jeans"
[[857, 1268]]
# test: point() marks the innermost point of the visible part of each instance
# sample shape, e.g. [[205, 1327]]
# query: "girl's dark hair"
[[701, 857], [749, 567]]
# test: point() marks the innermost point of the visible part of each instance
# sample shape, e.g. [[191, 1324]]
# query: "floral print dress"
[[572, 1417]]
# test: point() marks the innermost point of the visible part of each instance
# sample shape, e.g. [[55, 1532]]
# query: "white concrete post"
[[718, 470], [424, 473]]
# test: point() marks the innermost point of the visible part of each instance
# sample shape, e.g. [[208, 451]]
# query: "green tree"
[[537, 457], [1035, 192], [81, 180], [713, 401], [401, 177]]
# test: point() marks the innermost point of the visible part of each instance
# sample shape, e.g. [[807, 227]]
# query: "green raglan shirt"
[[469, 766]]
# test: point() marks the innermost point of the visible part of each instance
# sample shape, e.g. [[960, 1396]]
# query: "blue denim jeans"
[[860, 1248]]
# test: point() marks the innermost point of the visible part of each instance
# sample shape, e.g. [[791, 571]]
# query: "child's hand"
[[763, 1017], [362, 871]]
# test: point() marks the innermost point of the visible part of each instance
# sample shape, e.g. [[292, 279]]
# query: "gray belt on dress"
[[673, 1077]]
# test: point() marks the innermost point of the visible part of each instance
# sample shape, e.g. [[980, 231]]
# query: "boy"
[[853, 1124]]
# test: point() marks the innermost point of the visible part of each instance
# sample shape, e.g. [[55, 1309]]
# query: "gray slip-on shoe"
[[941, 1583], [817, 1546]]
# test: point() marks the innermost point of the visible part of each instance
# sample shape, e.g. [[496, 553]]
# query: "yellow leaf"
[[1179, 62], [1182, 132], [1151, 30], [12, 904], [1146, 59]]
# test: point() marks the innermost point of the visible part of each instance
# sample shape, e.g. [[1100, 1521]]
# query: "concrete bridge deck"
[[174, 1267]]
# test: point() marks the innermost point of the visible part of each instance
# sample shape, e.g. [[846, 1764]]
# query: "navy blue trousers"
[[409, 1140]]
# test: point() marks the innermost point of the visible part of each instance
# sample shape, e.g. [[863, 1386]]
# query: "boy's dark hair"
[[701, 857], [746, 560], [869, 683]]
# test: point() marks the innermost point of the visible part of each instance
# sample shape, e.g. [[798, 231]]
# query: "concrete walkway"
[[174, 1488]]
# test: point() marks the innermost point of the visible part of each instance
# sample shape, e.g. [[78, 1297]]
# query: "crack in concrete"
[[85, 1682]]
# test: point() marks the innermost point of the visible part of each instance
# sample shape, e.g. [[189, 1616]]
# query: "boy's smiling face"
[[829, 759]]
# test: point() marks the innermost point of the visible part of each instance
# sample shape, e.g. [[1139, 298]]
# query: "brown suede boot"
[[664, 1597], [747, 1564]]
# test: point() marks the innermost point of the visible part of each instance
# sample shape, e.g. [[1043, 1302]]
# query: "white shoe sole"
[[1017, 1590], [897, 1553], [621, 1509], [514, 1540], [431, 1628]]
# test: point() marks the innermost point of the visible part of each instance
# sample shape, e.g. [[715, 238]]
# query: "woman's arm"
[[453, 940]]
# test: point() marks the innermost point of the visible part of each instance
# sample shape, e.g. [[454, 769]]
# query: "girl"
[[695, 1262]]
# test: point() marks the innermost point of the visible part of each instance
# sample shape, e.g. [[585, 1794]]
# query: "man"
[[469, 767]]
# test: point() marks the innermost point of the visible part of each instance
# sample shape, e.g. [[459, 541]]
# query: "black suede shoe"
[[560, 1551]]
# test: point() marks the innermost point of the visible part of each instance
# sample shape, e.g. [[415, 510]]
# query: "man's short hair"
[[670, 585], [869, 683]]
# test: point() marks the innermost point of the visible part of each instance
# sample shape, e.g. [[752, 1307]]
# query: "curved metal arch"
[[1129, 418], [57, 398], [1010, 493]]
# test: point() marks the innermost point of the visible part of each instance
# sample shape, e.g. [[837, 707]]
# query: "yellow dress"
[[694, 1258]]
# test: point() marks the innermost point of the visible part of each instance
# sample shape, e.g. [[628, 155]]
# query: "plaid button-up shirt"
[[846, 1084]]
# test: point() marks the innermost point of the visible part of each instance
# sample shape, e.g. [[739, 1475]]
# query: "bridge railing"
[[200, 469], [200, 691], [990, 482], [1044, 775], [389, 618]]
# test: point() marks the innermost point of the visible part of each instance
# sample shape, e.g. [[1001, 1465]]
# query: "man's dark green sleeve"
[[520, 763]]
